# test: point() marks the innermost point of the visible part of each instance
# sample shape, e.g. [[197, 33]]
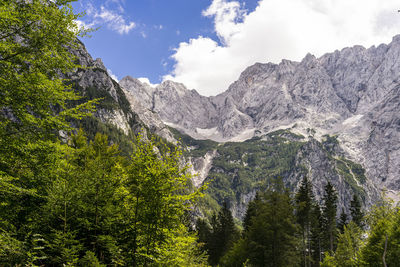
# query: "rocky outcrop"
[[118, 107], [134, 90]]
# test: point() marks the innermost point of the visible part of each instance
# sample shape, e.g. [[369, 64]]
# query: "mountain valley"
[[348, 97]]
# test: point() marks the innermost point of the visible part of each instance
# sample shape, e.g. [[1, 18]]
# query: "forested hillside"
[[239, 169]]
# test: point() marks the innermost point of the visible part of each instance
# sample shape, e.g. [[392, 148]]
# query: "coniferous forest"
[[77, 199]]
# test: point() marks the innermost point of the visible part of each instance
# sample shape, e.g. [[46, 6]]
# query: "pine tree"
[[203, 230], [329, 218]]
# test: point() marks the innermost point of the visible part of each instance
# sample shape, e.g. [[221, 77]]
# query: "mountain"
[[352, 94], [117, 114]]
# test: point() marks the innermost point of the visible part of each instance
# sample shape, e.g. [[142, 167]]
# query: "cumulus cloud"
[[146, 80], [111, 14], [275, 30]]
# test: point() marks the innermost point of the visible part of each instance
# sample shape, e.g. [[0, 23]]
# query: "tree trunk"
[[384, 252]]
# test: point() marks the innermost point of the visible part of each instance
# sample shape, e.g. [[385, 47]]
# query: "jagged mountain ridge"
[[352, 93]]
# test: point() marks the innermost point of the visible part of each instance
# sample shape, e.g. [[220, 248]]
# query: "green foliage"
[[330, 142], [92, 126], [90, 260], [35, 37], [12, 251], [242, 168], [181, 249], [218, 237], [237, 256], [307, 215], [155, 198], [357, 216], [349, 244], [329, 218], [271, 238], [381, 222], [100, 205], [33, 48], [343, 221], [223, 234]]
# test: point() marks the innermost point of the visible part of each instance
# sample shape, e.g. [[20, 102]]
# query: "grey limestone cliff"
[[352, 93]]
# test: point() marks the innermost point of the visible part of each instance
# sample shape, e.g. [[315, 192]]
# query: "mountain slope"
[[352, 93]]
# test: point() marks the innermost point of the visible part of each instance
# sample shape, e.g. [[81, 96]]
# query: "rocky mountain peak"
[[345, 93]]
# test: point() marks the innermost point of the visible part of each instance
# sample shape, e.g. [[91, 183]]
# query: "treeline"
[[284, 230]]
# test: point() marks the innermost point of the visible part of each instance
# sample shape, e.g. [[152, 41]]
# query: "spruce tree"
[[316, 234], [251, 212], [343, 221], [357, 215], [329, 218], [272, 239], [203, 231], [304, 204], [223, 234]]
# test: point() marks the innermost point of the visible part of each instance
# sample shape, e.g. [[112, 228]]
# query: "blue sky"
[[146, 49], [206, 44]]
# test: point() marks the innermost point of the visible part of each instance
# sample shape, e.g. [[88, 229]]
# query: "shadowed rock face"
[[353, 93]]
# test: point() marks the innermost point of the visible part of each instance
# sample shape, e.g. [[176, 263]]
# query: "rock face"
[[135, 90], [353, 93], [185, 109], [118, 107]]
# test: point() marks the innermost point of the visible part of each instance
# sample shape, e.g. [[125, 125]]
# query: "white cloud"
[[112, 75], [278, 29], [114, 21], [146, 80], [110, 14]]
